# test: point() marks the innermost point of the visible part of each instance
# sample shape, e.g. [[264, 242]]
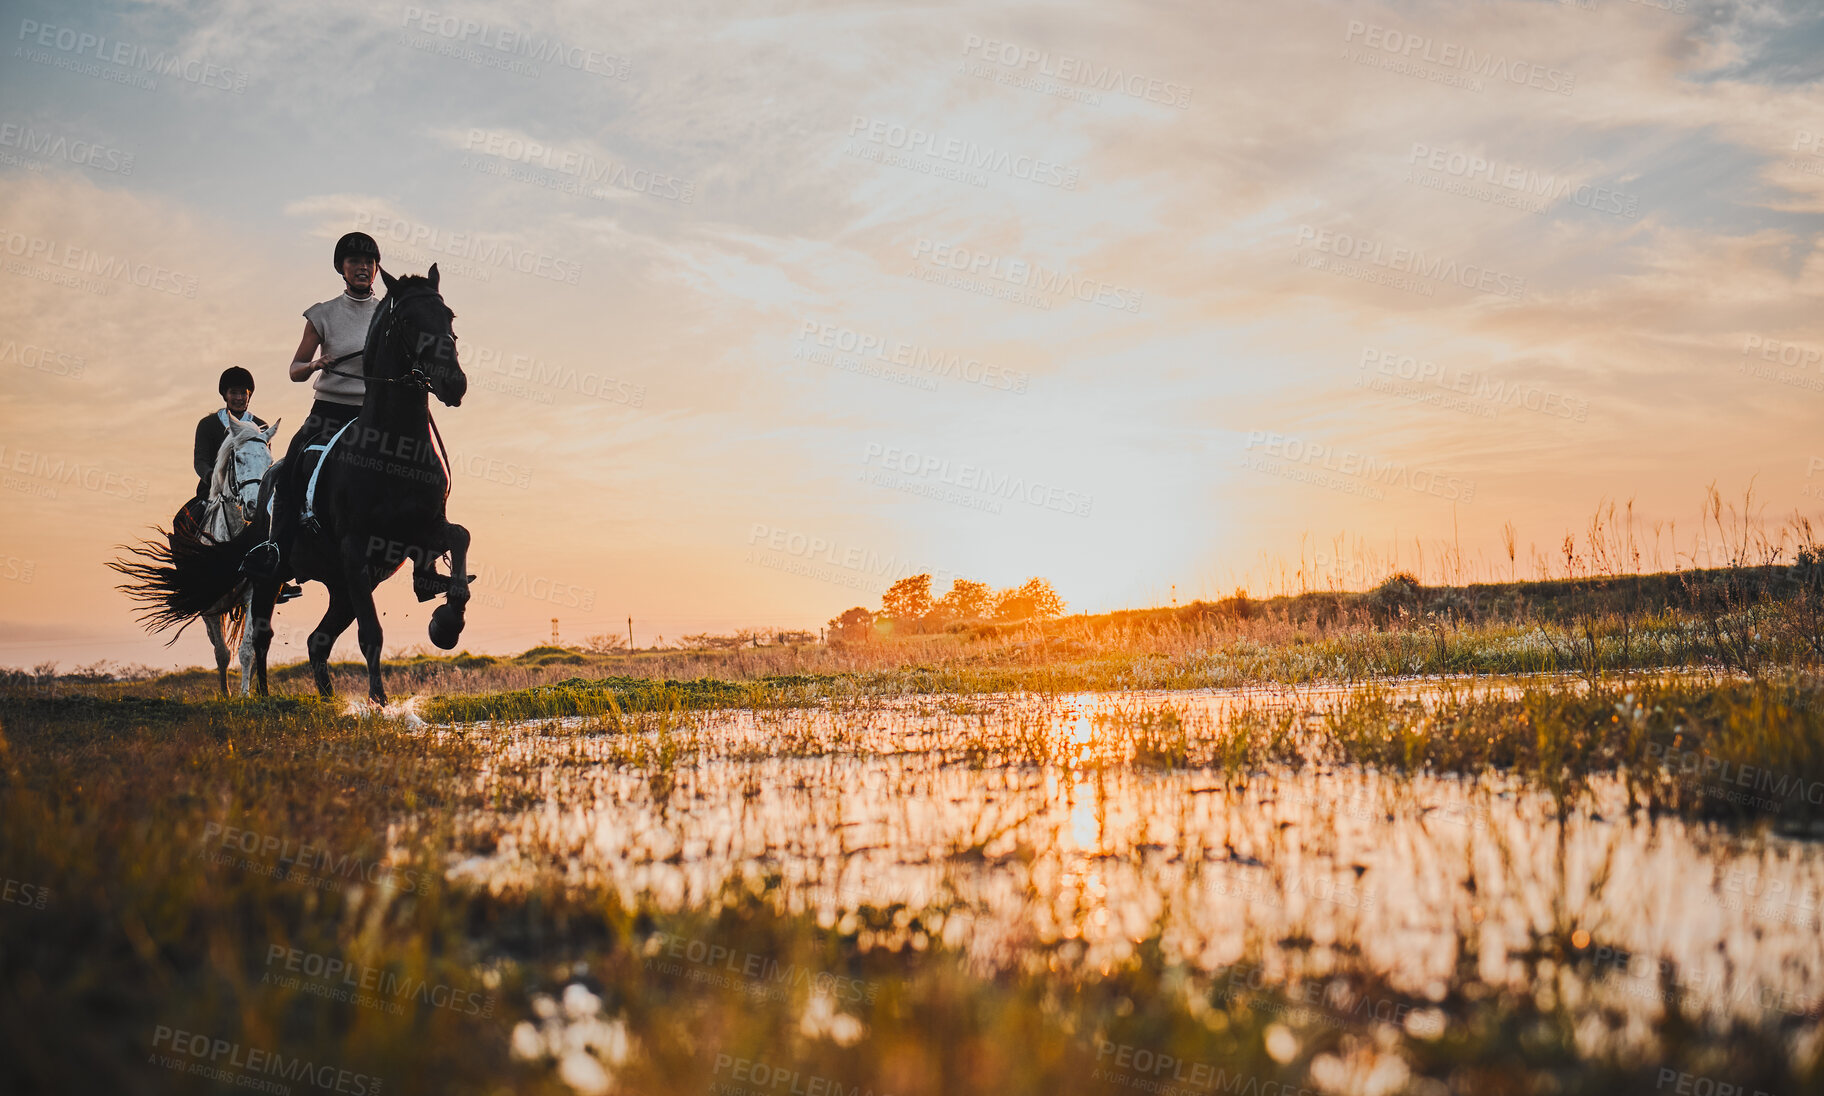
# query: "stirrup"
[[262, 560]]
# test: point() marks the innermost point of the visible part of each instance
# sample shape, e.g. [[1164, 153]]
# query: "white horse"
[[234, 491]]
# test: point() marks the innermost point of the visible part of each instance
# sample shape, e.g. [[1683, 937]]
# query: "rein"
[[414, 377]]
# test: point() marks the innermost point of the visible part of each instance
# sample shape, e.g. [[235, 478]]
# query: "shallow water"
[[1032, 822]]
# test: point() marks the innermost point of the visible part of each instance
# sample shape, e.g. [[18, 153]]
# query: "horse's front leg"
[[212, 623], [446, 619], [248, 626], [329, 629], [262, 595], [360, 578]]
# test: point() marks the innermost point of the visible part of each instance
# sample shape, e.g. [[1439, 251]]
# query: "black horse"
[[376, 499]]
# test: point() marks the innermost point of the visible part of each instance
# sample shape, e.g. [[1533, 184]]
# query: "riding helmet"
[[356, 243], [234, 377]]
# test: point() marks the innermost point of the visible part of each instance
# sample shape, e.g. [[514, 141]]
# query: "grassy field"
[[206, 894], [1730, 620]]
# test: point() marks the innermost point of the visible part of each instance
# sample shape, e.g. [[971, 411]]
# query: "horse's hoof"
[[446, 626]]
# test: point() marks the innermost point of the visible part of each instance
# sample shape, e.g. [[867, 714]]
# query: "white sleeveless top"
[[341, 324]]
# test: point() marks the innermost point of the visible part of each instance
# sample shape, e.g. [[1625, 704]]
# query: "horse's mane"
[[238, 431]]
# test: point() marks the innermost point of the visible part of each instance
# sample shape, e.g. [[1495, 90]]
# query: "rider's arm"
[[301, 365], [202, 457]]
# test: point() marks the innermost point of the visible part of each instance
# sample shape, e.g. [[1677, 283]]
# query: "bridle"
[[388, 321], [234, 484]]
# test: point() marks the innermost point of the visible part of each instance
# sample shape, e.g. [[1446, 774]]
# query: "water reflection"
[[1039, 821]]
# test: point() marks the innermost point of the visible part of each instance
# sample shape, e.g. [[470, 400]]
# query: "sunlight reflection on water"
[[1024, 816]]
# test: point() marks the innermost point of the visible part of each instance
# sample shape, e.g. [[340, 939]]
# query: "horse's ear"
[[433, 275], [273, 430], [389, 280]]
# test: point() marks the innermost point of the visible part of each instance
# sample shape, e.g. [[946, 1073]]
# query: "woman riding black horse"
[[378, 491], [377, 494]]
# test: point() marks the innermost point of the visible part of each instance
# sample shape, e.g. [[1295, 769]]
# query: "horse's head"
[[245, 455], [417, 337]]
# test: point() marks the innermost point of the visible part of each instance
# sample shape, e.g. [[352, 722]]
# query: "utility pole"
[[630, 634], [554, 641]]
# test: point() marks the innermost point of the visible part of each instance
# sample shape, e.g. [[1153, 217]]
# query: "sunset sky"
[[762, 312]]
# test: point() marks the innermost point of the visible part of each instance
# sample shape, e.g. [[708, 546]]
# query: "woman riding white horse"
[[241, 461]]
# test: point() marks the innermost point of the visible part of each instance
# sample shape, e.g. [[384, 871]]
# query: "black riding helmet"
[[356, 243], [234, 377]]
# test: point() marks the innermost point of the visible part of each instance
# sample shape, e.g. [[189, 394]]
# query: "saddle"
[[307, 517], [187, 523]]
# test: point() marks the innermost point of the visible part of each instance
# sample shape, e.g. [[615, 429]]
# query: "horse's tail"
[[180, 580]]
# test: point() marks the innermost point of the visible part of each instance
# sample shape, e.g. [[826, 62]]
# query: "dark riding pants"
[[324, 420]]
